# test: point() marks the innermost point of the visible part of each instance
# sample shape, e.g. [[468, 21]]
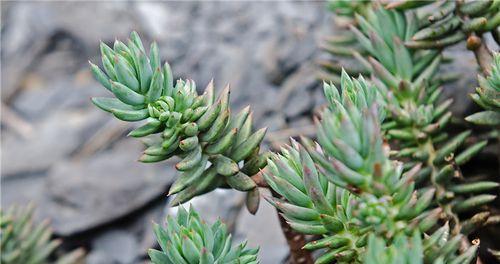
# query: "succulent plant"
[[312, 205], [345, 187], [488, 97], [23, 241], [378, 33], [188, 239], [448, 22], [382, 184], [216, 148], [408, 82]]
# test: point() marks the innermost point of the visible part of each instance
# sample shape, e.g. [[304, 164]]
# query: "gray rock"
[[464, 64], [98, 256], [285, 38], [263, 230], [56, 137], [274, 121], [301, 122], [23, 190], [143, 226], [48, 97], [116, 246], [297, 94], [33, 27], [90, 192]]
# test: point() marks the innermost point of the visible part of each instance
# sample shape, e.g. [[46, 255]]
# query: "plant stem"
[[482, 53], [259, 180], [475, 43], [440, 188]]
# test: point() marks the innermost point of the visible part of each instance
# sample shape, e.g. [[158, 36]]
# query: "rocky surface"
[[75, 162], [93, 191], [262, 230]]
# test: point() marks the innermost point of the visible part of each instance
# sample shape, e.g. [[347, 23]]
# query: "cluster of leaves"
[[399, 48], [417, 121], [187, 239], [407, 78], [488, 97], [22, 241], [346, 188], [438, 24], [444, 23], [217, 149]]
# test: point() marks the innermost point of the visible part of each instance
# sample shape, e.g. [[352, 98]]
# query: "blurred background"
[[74, 160]]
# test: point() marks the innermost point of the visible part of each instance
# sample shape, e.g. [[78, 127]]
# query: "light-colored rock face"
[[75, 161], [263, 230]]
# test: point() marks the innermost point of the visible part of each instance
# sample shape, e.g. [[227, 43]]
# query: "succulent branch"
[[188, 239], [217, 149], [449, 22], [311, 205], [444, 18], [23, 241], [346, 189], [483, 54], [415, 126], [488, 97]]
